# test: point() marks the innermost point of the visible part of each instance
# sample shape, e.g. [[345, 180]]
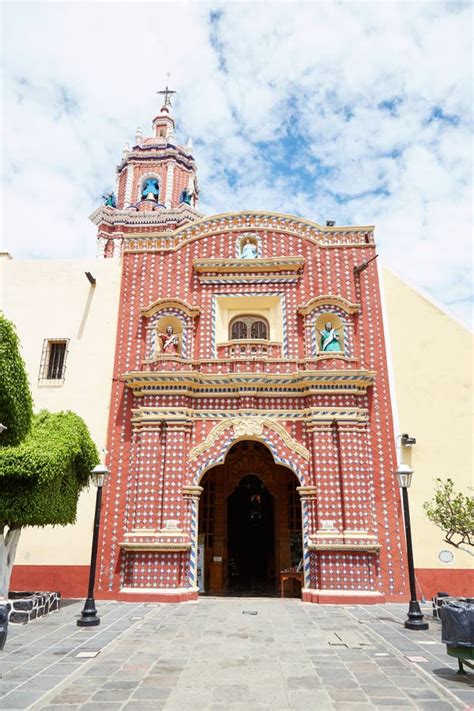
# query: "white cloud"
[[284, 101]]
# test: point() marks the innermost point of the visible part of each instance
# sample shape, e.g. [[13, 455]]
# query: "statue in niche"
[[150, 190], [186, 196], [169, 341], [330, 340], [248, 250], [110, 200]]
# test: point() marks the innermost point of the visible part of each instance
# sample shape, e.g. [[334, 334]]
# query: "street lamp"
[[88, 616], [415, 619]]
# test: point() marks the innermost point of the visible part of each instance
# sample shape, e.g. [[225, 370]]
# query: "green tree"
[[453, 512], [45, 459]]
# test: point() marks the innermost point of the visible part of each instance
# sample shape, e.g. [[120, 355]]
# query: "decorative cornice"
[[154, 416], [167, 539], [328, 300], [234, 222], [345, 547], [302, 384], [191, 311], [307, 492], [158, 151], [245, 271], [325, 416], [165, 546], [133, 218], [192, 492], [231, 266], [248, 427]]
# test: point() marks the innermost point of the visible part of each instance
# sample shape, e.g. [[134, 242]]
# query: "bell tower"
[[156, 185]]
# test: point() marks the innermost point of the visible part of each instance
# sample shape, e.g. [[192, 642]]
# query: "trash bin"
[[437, 602], [457, 631], [4, 610]]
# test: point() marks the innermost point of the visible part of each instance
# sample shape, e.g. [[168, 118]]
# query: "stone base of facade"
[[71, 582], [342, 597]]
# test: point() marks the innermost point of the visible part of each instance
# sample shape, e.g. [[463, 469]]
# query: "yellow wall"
[[432, 359], [53, 299]]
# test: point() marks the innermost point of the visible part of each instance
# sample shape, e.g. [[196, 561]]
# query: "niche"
[[329, 333]]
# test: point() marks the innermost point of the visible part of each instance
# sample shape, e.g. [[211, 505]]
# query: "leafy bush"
[[40, 478], [16, 405], [453, 512]]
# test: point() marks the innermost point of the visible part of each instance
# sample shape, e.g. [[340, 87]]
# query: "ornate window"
[[248, 327]]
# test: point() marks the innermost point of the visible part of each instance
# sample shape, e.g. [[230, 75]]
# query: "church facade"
[[261, 380], [250, 427]]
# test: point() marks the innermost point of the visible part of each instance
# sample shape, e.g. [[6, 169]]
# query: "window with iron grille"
[[53, 360], [248, 327]]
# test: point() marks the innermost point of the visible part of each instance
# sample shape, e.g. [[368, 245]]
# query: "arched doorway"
[[249, 522]]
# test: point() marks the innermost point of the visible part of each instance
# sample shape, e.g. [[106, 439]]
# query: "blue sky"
[[357, 112]]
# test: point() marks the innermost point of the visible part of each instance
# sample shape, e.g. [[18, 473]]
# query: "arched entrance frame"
[[213, 451]]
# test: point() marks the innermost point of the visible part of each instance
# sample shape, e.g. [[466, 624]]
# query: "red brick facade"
[[324, 415]]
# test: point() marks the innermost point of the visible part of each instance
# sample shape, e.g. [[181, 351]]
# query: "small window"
[[248, 327], [53, 359]]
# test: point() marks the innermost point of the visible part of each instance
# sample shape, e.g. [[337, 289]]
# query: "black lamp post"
[[88, 616], [415, 619]]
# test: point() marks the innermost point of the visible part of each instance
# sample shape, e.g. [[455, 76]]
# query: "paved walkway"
[[214, 655]]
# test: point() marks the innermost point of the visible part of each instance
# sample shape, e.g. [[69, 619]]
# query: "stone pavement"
[[214, 655]]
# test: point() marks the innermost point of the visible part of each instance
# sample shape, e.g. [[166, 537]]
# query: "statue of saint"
[[329, 338], [169, 341], [150, 190], [110, 200], [248, 250], [186, 196]]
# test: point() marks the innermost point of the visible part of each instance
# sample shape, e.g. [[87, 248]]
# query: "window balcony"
[[249, 349]]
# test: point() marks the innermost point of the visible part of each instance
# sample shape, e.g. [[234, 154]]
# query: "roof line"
[[431, 299]]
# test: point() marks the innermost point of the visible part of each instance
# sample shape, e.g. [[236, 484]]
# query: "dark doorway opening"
[[251, 538]]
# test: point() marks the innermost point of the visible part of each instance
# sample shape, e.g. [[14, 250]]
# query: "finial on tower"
[[167, 93]]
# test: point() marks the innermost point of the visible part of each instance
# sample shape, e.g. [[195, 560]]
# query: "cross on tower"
[[167, 94]]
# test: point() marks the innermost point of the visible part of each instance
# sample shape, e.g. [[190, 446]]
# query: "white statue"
[[248, 250]]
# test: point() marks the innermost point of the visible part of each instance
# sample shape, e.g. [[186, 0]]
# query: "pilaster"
[[128, 197], [169, 184]]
